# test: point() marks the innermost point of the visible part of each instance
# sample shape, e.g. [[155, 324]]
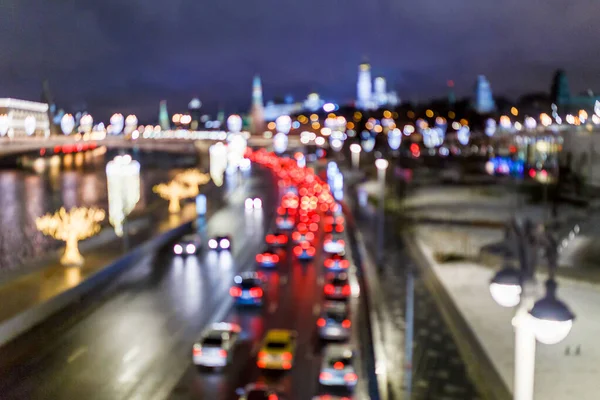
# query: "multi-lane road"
[[133, 338]]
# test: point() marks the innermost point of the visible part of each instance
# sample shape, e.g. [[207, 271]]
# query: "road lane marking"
[[76, 354], [316, 309], [272, 308], [131, 354]]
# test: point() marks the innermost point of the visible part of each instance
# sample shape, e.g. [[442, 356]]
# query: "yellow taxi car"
[[278, 349]]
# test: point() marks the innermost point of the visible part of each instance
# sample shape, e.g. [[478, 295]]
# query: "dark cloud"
[[129, 54]]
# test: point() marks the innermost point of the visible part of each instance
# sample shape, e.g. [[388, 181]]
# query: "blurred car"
[[334, 224], [277, 350], [277, 239], [337, 368], [305, 251], [337, 286], [216, 345], [187, 245], [331, 397], [299, 237], [333, 244], [257, 391], [334, 321], [268, 258], [336, 262], [253, 204], [248, 289], [285, 223], [220, 243]]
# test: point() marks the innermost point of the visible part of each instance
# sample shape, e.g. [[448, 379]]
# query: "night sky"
[[126, 55]]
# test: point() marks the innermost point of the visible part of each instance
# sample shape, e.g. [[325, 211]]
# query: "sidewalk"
[[561, 373]]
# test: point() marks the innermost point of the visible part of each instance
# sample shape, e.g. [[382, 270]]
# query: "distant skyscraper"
[[257, 111], [363, 87], [484, 102], [560, 93], [163, 116], [451, 95], [194, 109], [380, 95]]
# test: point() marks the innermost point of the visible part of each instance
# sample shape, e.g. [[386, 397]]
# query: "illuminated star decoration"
[[71, 226], [193, 178]]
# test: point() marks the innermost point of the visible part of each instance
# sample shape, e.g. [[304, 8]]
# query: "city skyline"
[[127, 57]]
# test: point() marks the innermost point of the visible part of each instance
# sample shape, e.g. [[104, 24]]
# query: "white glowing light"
[[408, 130], [336, 144], [190, 249], [551, 332], [234, 123], [280, 142], [505, 122], [130, 123], [218, 162], [395, 139], [368, 145], [463, 135], [597, 108], [245, 164], [177, 249], [320, 141], [328, 107], [212, 243], [118, 123], [283, 124], [86, 122], [518, 126], [489, 168], [123, 184], [490, 127], [381, 163], [530, 123], [236, 149], [67, 124], [506, 295], [5, 121], [355, 148]]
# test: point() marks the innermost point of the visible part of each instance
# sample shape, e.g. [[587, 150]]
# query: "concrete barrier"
[[20, 323]]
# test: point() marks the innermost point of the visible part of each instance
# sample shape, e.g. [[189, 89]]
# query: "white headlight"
[[224, 243], [190, 249], [257, 203], [249, 204], [178, 249], [212, 243]]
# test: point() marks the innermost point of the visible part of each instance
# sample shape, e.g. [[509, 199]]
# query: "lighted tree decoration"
[[71, 226], [174, 191], [193, 178]]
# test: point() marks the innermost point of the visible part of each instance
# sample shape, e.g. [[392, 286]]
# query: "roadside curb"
[[481, 369]]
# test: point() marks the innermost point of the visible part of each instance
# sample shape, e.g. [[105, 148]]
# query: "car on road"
[[334, 321], [277, 239], [333, 224], [299, 237], [248, 289], [285, 223], [331, 397], [277, 350], [336, 367], [187, 245], [268, 258], [336, 263], [257, 391], [337, 286], [220, 243], [334, 245], [215, 346], [305, 251], [253, 204]]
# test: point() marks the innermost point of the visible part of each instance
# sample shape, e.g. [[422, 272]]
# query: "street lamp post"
[[548, 319], [355, 149], [381, 165]]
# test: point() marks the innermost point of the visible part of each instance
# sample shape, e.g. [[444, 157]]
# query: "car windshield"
[[344, 360], [337, 316], [213, 341], [276, 345], [258, 395], [250, 283]]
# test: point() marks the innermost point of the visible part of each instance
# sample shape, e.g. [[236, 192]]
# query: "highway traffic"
[[136, 339]]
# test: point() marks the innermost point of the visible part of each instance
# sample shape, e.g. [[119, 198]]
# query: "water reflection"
[[25, 195]]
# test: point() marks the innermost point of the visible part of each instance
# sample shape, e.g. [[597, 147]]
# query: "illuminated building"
[[561, 96], [313, 102], [257, 112], [194, 109], [22, 118], [163, 116], [366, 98], [484, 102]]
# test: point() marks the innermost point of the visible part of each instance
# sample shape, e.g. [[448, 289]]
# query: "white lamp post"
[[117, 122], [355, 149], [382, 165], [549, 319], [67, 124], [123, 183]]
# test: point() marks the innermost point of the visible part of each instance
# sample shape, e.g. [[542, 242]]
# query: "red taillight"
[[270, 239], [223, 353], [321, 322], [256, 292], [235, 291], [261, 364], [324, 376], [339, 228], [313, 227], [296, 236], [328, 228], [197, 351], [344, 264], [309, 236], [262, 354], [350, 377], [273, 397], [305, 244], [329, 289], [346, 323], [324, 207], [302, 227], [286, 365], [275, 258], [338, 365], [310, 251], [287, 356], [346, 290], [297, 250], [282, 239], [259, 258], [329, 263]]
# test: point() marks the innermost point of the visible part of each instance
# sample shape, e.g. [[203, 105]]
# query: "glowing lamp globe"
[[394, 138], [355, 148], [368, 145], [29, 125], [117, 122], [283, 124], [86, 122], [130, 123], [551, 318], [280, 142], [4, 124], [381, 163], [234, 123], [505, 287]]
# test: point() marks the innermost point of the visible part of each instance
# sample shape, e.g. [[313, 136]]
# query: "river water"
[[69, 181]]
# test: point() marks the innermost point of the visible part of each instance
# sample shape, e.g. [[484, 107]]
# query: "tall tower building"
[[484, 102], [559, 92], [363, 86], [163, 116], [257, 111], [380, 95]]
